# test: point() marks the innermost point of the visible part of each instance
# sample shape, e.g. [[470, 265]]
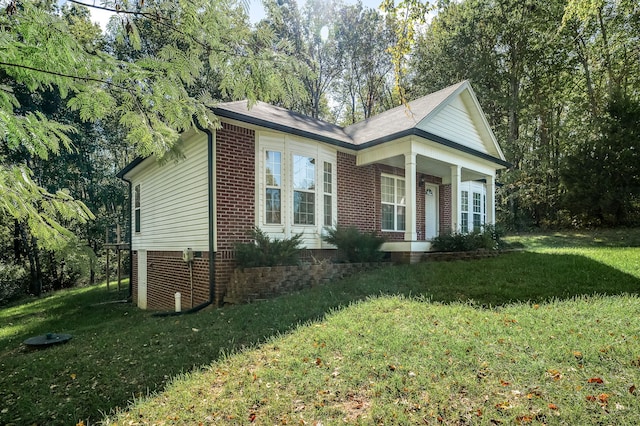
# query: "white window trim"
[[289, 146], [395, 204], [472, 188]]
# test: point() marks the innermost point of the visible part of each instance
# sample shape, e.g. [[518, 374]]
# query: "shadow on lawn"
[[119, 351]]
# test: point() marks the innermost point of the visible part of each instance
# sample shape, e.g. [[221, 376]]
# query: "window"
[[273, 179], [304, 190], [295, 188], [136, 208], [328, 191], [392, 192], [477, 211], [464, 211]]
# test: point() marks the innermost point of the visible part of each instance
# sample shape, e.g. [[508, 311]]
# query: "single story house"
[[408, 174]]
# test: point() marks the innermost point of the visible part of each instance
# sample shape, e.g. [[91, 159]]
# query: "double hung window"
[[393, 198]]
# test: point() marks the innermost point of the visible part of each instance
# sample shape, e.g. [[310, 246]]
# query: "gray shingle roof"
[[388, 123]]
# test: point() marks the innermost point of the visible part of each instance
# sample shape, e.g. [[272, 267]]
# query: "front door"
[[142, 279], [432, 221]]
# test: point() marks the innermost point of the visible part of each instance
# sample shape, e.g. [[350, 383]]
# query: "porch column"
[[491, 200], [455, 197], [410, 233]]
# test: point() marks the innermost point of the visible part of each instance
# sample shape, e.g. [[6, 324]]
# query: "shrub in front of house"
[[353, 245], [488, 238], [264, 251]]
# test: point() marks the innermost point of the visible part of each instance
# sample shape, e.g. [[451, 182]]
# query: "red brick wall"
[[168, 274], [358, 190], [235, 197], [134, 277], [359, 201], [445, 209]]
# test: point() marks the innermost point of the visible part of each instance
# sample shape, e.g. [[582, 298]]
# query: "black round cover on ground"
[[47, 340]]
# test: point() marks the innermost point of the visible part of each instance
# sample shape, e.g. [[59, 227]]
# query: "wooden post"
[[119, 268], [106, 249], [119, 253]]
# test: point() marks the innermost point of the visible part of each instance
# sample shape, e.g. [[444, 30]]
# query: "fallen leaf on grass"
[[524, 419], [503, 405], [553, 406], [555, 374], [504, 383], [597, 380], [632, 389]]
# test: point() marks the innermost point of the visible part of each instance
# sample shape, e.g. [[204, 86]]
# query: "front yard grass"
[[519, 338]]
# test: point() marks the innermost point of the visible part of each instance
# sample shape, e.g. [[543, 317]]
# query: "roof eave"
[[232, 115], [414, 131]]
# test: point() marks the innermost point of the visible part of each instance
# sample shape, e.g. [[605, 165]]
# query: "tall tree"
[[365, 84], [310, 37], [152, 94]]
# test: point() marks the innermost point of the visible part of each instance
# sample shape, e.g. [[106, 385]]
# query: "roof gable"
[[460, 119]]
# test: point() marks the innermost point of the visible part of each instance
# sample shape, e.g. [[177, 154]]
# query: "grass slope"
[[511, 339], [398, 361]]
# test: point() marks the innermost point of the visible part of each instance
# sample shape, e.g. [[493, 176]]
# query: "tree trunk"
[[35, 269]]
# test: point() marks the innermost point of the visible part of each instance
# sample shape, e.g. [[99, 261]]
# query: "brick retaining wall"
[[261, 283]]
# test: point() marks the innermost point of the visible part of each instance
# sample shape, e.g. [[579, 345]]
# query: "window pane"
[[328, 220], [272, 206], [387, 190], [401, 218], [273, 168], [387, 217], [137, 214], [327, 177], [464, 201], [476, 222], [304, 172], [476, 202], [303, 208], [137, 196], [401, 192], [464, 222]]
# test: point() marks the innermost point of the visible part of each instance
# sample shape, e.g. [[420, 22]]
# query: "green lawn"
[[515, 339]]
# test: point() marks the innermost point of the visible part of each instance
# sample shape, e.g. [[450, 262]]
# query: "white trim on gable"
[[459, 118]]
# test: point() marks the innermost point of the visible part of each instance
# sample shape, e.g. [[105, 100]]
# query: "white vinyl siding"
[[174, 201], [454, 123]]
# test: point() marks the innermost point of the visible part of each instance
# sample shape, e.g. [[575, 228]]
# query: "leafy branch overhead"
[[153, 92]]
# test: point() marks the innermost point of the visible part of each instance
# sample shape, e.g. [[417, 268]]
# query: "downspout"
[[212, 254], [212, 264]]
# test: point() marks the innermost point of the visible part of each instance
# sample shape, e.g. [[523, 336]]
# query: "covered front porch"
[[434, 189]]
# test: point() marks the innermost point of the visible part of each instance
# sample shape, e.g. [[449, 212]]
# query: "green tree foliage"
[[544, 73], [308, 35], [66, 94], [612, 195], [365, 87]]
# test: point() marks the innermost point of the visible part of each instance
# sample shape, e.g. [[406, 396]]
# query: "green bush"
[[264, 251], [489, 238], [14, 282], [354, 246]]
